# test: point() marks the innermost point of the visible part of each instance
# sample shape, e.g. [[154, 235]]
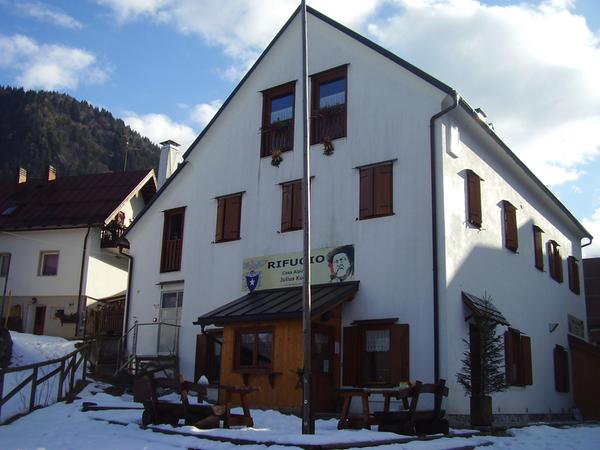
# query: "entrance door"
[[322, 368], [170, 318], [475, 351], [40, 318]]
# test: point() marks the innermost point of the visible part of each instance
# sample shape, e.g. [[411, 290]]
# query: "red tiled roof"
[[68, 201]]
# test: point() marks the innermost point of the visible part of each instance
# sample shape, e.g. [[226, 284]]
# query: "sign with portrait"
[[328, 265]]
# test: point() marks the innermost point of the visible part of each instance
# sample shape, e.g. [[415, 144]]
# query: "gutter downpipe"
[[80, 331], [127, 295], [5, 287], [584, 245], [434, 236]]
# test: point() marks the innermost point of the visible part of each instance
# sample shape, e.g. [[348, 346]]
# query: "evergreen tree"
[[491, 361]]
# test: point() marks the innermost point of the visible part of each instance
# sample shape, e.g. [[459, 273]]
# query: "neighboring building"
[[399, 270], [591, 276], [58, 245]]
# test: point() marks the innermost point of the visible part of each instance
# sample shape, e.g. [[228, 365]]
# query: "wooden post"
[[33, 389], [72, 377], [1, 391], [61, 380]]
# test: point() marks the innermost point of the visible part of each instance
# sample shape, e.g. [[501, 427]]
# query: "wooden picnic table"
[[366, 419]]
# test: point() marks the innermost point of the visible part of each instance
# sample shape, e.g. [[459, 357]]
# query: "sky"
[[166, 66]]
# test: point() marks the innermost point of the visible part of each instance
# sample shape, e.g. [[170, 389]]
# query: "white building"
[[385, 137], [58, 245]]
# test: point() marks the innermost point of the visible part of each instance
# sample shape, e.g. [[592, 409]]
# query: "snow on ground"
[[30, 349], [64, 426]]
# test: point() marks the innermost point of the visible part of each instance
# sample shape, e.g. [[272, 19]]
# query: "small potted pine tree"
[[482, 371]]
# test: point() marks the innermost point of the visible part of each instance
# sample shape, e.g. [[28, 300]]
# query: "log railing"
[[66, 372]]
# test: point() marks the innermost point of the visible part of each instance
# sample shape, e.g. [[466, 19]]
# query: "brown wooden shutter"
[[366, 193], [233, 207], [297, 202], [510, 227], [399, 353], [474, 198], [286, 207], [537, 247], [573, 274], [558, 270], [561, 369], [509, 349], [351, 356], [383, 192], [201, 367], [526, 373], [219, 236]]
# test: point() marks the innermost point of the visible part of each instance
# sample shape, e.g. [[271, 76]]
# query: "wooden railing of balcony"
[[277, 136], [171, 255], [328, 123]]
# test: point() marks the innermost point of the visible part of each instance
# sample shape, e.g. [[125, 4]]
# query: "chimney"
[[22, 175], [51, 173], [170, 158]]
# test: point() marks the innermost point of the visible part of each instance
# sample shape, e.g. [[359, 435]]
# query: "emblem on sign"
[[252, 280]]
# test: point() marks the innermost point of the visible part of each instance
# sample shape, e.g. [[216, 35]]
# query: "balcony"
[[277, 136], [110, 235]]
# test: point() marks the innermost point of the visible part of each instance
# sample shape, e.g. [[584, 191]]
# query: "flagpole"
[[308, 422]]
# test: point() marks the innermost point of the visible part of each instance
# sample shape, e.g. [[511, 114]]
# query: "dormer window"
[[328, 104], [278, 119]]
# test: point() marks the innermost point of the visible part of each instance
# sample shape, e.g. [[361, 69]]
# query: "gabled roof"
[[69, 201], [401, 62]]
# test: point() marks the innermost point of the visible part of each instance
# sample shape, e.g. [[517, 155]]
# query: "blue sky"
[[165, 66]]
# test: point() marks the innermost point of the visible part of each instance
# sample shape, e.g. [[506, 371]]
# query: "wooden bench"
[[412, 420], [402, 421], [156, 411], [432, 421], [230, 419]]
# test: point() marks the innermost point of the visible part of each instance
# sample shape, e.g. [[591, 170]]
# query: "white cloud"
[[45, 13], [159, 127], [532, 68], [48, 66], [592, 224], [204, 112], [243, 28]]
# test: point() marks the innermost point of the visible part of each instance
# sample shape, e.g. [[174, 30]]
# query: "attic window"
[[8, 211], [328, 105]]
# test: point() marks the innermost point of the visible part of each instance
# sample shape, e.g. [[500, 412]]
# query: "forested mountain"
[[38, 128]]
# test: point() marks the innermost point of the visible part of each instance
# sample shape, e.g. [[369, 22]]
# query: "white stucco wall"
[[106, 269], [388, 118], [477, 262]]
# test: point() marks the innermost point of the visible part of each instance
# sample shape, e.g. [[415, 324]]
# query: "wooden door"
[[475, 350], [322, 368], [40, 317]]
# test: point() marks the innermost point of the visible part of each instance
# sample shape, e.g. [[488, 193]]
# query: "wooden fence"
[[66, 370]]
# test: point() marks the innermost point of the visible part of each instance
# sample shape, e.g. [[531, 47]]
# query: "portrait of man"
[[341, 263]]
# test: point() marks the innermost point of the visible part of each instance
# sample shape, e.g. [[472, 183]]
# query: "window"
[[328, 104], [291, 206], [376, 353], [517, 350], [511, 233], [9, 210], [554, 261], [473, 199], [48, 264], [228, 218], [254, 350], [4, 263], [172, 244], [537, 247], [278, 119], [376, 193], [573, 267], [561, 369]]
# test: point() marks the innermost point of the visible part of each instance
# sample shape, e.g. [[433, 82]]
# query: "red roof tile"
[[68, 201]]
